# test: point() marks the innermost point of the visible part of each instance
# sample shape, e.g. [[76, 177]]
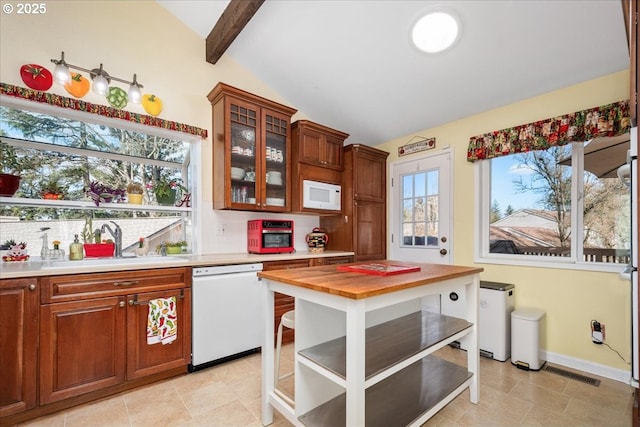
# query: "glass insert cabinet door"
[[244, 122], [275, 160]]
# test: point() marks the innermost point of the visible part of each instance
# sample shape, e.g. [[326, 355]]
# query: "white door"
[[421, 209]]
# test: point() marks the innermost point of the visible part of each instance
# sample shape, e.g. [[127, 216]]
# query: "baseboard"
[[621, 375]]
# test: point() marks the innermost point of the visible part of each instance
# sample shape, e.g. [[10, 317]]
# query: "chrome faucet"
[[117, 237]]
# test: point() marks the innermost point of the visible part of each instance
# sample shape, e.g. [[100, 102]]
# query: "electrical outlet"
[[597, 332], [220, 228]]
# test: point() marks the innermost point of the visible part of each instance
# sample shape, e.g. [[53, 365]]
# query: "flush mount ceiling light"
[[435, 31], [101, 79]]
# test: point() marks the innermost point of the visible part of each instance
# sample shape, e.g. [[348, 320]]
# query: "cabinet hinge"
[[392, 182], [392, 238]]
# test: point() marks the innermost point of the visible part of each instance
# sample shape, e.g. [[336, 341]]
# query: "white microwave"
[[321, 195]]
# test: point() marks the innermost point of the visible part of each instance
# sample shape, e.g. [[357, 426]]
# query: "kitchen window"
[[546, 208], [66, 152]]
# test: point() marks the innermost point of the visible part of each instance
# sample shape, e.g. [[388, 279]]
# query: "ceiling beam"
[[232, 21]]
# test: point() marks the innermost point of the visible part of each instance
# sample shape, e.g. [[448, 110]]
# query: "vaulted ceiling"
[[350, 65]]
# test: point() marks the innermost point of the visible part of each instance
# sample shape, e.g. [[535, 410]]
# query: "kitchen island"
[[363, 351]]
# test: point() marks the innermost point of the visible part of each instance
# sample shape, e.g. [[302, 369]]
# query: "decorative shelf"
[[421, 389], [391, 343], [87, 204]]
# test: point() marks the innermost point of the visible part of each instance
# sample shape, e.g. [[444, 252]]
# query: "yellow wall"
[[142, 37], [571, 298]]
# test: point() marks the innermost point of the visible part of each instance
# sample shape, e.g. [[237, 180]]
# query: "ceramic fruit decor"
[[117, 97], [151, 104], [36, 76], [78, 86]]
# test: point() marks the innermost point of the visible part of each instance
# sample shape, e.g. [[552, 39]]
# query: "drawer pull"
[[126, 283]]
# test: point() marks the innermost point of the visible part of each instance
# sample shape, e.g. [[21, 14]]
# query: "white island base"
[[363, 347]]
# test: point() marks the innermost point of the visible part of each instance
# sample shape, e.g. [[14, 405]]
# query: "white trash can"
[[527, 331]]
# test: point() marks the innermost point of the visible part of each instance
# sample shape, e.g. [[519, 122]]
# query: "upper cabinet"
[[251, 151], [318, 145], [317, 153], [368, 173]]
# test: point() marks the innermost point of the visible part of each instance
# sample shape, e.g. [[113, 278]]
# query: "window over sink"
[[60, 155]]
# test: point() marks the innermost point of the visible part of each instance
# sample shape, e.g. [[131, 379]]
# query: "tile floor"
[[229, 395]]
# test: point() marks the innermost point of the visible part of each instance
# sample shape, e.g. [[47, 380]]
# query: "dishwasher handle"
[[216, 270]]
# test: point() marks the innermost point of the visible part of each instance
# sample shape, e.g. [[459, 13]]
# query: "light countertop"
[[52, 268]]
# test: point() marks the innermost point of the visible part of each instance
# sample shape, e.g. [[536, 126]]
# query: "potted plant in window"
[[93, 244], [135, 192], [166, 190], [174, 248], [9, 178], [100, 193], [52, 191]]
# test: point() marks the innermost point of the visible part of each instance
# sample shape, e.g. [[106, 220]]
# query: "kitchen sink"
[[91, 262]]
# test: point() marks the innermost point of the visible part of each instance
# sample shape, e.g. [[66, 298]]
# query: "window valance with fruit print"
[[607, 120], [102, 110]]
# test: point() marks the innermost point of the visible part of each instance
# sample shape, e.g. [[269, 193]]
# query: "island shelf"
[[363, 345]]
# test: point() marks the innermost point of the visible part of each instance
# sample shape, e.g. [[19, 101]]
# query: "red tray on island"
[[379, 269]]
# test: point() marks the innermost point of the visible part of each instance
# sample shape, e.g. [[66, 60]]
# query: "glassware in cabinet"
[[251, 145]]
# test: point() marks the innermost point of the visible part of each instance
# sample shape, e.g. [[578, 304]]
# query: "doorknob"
[[443, 251]]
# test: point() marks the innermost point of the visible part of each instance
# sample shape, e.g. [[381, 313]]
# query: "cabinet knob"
[[32, 287], [443, 251], [131, 302], [121, 304]]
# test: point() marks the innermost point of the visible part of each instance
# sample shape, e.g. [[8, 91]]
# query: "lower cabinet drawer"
[[93, 285]]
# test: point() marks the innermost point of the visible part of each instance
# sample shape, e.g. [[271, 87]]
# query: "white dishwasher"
[[227, 313]]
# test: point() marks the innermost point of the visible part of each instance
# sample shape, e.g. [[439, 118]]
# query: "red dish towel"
[[162, 322]]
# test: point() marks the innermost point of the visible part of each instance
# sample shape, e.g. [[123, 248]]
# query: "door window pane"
[[420, 206]]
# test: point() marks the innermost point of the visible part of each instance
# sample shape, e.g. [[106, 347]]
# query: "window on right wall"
[[556, 207]]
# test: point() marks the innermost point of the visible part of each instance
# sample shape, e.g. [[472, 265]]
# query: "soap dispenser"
[[76, 250]]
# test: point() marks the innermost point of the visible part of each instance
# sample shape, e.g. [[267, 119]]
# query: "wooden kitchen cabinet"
[[93, 330], [18, 343], [362, 227], [251, 151], [82, 347], [318, 145], [317, 153], [144, 359]]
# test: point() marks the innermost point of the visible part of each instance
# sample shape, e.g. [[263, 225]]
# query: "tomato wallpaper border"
[[607, 120], [102, 110]]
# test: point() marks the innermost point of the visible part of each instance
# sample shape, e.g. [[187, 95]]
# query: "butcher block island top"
[[357, 285], [363, 344]]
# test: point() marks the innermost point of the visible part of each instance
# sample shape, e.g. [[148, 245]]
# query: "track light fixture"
[[101, 79]]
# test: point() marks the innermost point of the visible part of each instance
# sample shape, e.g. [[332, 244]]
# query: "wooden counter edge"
[[325, 275]]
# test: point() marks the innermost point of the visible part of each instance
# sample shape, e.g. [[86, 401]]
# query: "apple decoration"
[[36, 76]]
